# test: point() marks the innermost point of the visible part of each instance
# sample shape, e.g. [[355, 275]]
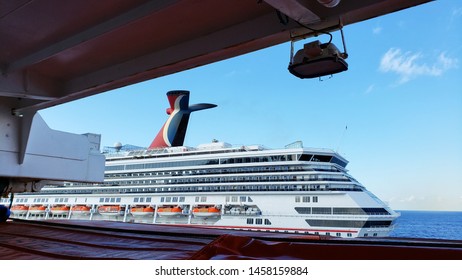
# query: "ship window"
[[328, 233], [306, 157], [243, 198], [118, 199], [148, 199], [321, 158], [136, 199], [348, 224], [249, 199], [375, 234], [297, 199], [106, 199], [338, 161], [267, 222], [168, 199], [182, 198], [197, 199], [303, 210], [250, 221], [349, 235], [227, 199], [321, 210], [234, 199], [141, 199], [315, 199], [365, 235], [338, 234], [112, 199], [101, 199], [175, 199], [376, 211], [306, 199], [56, 199], [203, 199], [258, 221], [162, 199]]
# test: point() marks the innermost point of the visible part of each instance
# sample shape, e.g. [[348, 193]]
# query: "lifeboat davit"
[[60, 209], [110, 210], [19, 209], [206, 211], [80, 210], [169, 211], [142, 211], [37, 209]]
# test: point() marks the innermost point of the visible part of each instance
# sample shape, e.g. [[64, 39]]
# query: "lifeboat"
[[169, 211], [19, 209], [110, 210], [37, 209], [60, 209], [80, 210], [206, 211], [142, 211]]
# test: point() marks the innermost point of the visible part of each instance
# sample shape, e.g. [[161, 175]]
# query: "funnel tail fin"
[[173, 131]]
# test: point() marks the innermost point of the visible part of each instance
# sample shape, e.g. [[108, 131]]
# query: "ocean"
[[429, 224]]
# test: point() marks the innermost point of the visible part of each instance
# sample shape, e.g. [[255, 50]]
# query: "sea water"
[[429, 224]]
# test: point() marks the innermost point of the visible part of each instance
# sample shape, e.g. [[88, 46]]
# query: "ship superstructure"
[[217, 185]]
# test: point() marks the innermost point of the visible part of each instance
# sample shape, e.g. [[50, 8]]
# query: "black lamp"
[[316, 60]]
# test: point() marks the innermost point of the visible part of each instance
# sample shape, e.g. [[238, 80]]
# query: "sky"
[[396, 114]]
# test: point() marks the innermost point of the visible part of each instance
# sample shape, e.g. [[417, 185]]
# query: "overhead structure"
[[53, 52]]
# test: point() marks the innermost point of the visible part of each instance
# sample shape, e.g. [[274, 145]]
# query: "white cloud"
[[232, 73], [409, 66], [377, 30], [456, 12], [408, 199], [369, 89]]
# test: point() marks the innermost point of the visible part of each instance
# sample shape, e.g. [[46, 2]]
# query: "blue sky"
[[401, 101]]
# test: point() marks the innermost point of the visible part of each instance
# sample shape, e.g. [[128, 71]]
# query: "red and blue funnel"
[[174, 130]]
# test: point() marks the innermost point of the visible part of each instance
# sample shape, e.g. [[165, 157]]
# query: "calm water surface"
[[429, 224]]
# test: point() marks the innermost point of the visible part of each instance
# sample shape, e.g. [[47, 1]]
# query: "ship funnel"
[[173, 131]]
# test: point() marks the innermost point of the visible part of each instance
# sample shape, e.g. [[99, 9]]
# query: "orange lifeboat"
[[142, 211], [37, 209], [19, 209], [60, 209], [169, 211], [80, 210], [206, 211], [110, 210]]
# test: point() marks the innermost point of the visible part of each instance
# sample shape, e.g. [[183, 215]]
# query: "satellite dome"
[[117, 146]]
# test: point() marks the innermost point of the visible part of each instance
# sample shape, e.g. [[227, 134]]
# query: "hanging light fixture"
[[316, 60]]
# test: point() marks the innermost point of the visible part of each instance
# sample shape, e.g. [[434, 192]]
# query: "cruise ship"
[[217, 185]]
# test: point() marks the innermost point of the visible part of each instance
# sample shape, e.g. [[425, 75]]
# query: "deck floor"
[[101, 240]]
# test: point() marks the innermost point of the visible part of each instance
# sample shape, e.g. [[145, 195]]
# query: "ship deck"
[[104, 240]]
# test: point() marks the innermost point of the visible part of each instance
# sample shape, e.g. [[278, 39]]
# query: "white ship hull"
[[36, 212], [169, 214], [80, 213], [111, 214], [19, 212], [142, 214], [295, 190], [59, 212]]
